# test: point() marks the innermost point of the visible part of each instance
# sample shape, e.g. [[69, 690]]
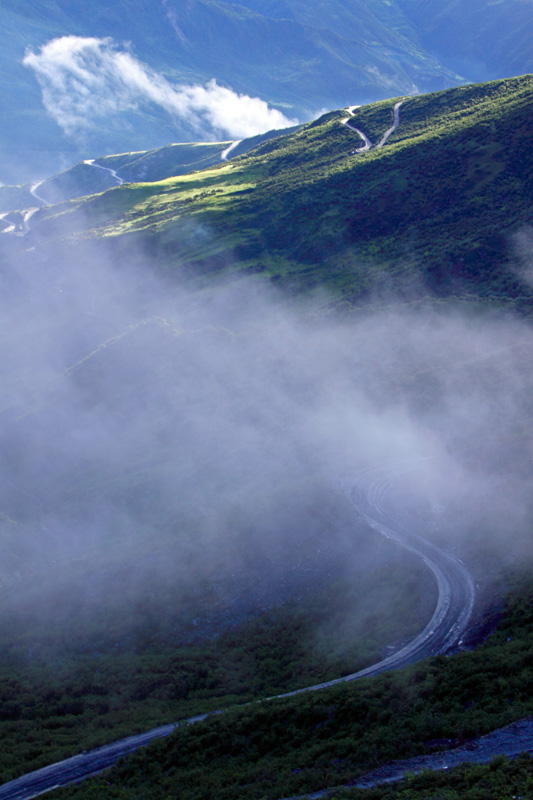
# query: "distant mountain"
[[481, 40], [299, 57]]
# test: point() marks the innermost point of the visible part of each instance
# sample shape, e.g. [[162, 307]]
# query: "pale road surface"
[[19, 221], [92, 163], [11, 228], [395, 123], [367, 143], [33, 191], [225, 153], [22, 224], [367, 491]]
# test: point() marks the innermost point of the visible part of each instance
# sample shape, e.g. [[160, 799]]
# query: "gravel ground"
[[510, 741]]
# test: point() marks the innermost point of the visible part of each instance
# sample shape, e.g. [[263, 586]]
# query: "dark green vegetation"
[[432, 212], [331, 737], [83, 666]]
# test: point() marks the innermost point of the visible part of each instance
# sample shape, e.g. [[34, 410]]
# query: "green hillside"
[[299, 57], [173, 536], [93, 176], [327, 739], [431, 212]]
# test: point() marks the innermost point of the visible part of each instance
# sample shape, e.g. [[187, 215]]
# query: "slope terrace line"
[[367, 491]]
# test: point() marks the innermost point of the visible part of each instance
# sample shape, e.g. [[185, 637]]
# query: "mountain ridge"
[[391, 216], [299, 58]]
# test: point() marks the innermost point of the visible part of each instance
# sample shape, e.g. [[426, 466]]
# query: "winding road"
[[19, 221], [367, 143], [225, 153], [368, 492], [33, 191], [395, 123], [90, 162], [456, 591]]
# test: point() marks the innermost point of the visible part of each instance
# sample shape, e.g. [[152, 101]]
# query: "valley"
[[200, 342]]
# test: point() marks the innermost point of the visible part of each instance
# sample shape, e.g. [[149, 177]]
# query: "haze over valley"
[[265, 409]]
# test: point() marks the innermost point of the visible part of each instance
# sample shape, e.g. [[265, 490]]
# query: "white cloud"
[[86, 79]]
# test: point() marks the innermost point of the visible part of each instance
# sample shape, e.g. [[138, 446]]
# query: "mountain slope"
[[299, 59], [169, 444], [433, 210], [97, 175], [482, 40]]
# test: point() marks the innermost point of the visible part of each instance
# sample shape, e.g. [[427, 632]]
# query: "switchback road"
[[367, 143], [225, 153]]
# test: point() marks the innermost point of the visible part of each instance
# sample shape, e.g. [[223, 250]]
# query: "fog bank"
[[209, 433]]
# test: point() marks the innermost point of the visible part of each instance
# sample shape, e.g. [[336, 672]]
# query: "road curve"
[[395, 123], [347, 121], [33, 191], [367, 143], [225, 153], [90, 162], [367, 491]]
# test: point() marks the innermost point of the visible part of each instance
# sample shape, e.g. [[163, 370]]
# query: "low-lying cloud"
[[157, 435], [85, 80]]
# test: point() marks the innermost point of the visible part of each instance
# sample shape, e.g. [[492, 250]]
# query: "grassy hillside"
[[298, 56], [326, 739], [433, 211], [145, 165]]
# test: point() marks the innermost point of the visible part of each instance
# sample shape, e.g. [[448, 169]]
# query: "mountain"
[[482, 40], [437, 209], [96, 175], [193, 365], [85, 96]]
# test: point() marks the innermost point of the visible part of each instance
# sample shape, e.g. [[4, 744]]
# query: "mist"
[[85, 81], [155, 435]]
